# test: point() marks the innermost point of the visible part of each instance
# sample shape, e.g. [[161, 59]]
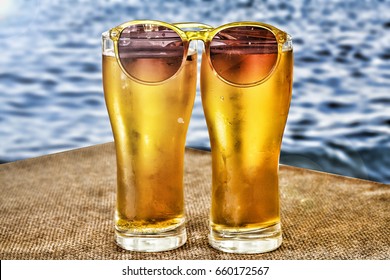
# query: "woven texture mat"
[[61, 206]]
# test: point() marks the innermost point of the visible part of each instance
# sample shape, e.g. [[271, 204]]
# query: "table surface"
[[61, 206]]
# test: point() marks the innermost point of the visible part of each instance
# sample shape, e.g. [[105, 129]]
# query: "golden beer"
[[246, 126], [149, 124]]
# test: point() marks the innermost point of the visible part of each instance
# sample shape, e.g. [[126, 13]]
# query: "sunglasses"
[[230, 48]]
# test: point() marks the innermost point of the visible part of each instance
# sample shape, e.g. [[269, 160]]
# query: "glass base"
[[247, 242], [162, 241]]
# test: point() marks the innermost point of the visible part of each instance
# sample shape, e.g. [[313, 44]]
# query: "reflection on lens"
[[243, 55], [149, 52]]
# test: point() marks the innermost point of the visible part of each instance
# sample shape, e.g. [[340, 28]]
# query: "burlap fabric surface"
[[61, 206]]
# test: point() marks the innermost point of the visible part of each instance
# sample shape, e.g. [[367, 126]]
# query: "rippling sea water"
[[51, 96]]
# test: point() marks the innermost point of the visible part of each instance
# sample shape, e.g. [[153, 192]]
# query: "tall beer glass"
[[149, 124], [246, 125]]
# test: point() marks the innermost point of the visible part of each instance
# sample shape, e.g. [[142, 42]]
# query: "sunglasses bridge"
[[201, 35], [195, 30]]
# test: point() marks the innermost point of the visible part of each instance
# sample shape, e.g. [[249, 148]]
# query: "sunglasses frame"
[[203, 32]]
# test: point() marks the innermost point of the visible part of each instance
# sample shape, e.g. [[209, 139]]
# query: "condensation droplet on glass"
[[180, 120], [222, 98]]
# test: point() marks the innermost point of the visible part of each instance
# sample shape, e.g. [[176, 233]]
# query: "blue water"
[[51, 96]]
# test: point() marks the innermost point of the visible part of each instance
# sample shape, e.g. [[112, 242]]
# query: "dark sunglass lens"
[[149, 52], [244, 55]]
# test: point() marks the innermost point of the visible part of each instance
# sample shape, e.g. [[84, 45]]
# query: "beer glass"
[[149, 115], [149, 75], [246, 92]]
